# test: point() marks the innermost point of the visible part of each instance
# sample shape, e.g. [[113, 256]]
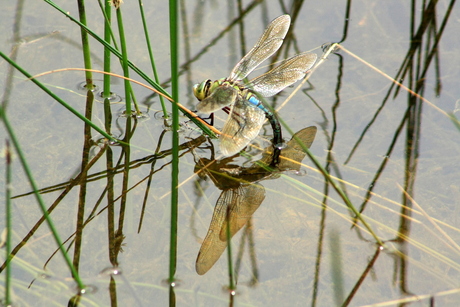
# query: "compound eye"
[[201, 90], [207, 87]]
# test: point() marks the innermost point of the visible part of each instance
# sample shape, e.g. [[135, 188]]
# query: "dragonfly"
[[247, 111]]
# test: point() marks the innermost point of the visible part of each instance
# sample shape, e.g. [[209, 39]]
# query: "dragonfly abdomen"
[[256, 102]]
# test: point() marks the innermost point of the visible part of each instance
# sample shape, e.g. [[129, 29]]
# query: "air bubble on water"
[[110, 271], [301, 172], [83, 86], [172, 284], [88, 289], [44, 275], [141, 116], [113, 97], [228, 290], [281, 145], [160, 115]]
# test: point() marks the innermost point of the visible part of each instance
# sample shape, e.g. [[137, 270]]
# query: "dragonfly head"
[[201, 90]]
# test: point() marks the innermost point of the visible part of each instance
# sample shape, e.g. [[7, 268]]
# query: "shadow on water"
[[242, 194]]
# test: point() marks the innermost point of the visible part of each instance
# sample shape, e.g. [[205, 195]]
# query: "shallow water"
[[299, 246]]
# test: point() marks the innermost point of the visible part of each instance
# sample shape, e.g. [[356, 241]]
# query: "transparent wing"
[[222, 96], [242, 126], [240, 204], [249, 200], [267, 44], [212, 247], [288, 72], [292, 155]]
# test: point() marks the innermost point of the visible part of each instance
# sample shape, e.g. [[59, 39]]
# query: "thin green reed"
[[124, 61], [152, 60], [85, 45], [40, 201], [174, 48], [107, 37], [106, 10], [62, 102]]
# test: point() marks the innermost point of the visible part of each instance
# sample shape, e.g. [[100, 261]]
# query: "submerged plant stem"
[[8, 225]]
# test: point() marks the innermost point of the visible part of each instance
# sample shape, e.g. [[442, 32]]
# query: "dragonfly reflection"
[[241, 194], [247, 112]]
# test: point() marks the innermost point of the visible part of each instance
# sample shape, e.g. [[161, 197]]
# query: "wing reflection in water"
[[241, 194]]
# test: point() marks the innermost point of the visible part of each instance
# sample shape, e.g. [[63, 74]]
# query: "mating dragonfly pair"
[[247, 112]]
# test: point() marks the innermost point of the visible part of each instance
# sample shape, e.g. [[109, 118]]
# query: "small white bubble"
[[281, 145], [88, 289], [301, 172]]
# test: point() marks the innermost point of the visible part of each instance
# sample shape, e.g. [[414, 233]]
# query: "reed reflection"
[[242, 193]]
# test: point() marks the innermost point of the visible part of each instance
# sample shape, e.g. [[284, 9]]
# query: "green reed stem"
[[107, 12], [144, 76], [107, 37], [124, 63], [8, 225], [62, 102], [152, 60], [38, 196], [85, 45], [174, 48]]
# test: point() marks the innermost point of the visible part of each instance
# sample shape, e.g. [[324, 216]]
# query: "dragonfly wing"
[[288, 72], [243, 206], [239, 203], [212, 246], [242, 126], [267, 44], [222, 96]]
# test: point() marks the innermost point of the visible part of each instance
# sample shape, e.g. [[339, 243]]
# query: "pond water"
[[391, 149]]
